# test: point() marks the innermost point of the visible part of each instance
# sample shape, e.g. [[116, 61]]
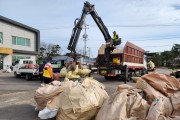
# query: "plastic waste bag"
[[47, 113], [63, 72]]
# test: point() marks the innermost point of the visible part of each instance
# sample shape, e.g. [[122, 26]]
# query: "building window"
[[20, 41], [1, 37]]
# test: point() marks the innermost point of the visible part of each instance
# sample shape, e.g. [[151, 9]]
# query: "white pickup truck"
[[27, 68]]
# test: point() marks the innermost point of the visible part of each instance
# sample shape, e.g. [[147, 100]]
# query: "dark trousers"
[[47, 80]]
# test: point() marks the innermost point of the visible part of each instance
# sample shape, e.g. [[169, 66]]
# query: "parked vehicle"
[[128, 62], [176, 67], [89, 9], [27, 68], [150, 66]]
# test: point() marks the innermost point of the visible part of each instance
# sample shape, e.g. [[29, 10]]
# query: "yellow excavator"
[[150, 66]]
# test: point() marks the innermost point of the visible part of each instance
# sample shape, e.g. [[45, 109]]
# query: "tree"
[[176, 50], [48, 51], [167, 58], [157, 59]]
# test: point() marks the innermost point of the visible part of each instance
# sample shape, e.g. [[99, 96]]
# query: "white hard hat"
[[48, 64]]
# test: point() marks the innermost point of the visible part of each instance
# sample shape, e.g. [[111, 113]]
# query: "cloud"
[[55, 20], [176, 7]]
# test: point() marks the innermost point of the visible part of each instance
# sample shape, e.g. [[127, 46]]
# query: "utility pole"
[[85, 39], [89, 52]]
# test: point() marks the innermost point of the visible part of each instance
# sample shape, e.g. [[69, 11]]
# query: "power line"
[[156, 39], [145, 25], [140, 46], [143, 39], [157, 46]]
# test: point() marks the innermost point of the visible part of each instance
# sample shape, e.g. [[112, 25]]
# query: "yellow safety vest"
[[115, 37], [47, 72]]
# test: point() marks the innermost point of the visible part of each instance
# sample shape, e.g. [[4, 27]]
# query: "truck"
[[131, 56], [27, 68]]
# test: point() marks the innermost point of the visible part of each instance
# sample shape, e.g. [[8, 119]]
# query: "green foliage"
[[166, 58], [157, 59], [176, 50], [48, 51]]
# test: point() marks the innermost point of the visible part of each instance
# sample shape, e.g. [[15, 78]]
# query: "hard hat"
[[48, 64]]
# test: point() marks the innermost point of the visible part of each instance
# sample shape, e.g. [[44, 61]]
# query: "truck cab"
[[26, 67], [22, 62]]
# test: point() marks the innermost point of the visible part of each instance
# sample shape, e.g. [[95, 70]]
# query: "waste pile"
[[70, 100], [74, 70], [155, 97], [160, 100], [124, 104], [46, 93]]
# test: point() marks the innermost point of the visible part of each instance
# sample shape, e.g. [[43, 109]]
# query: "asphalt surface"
[[17, 95]]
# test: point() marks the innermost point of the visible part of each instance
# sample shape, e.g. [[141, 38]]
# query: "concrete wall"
[[10, 30], [7, 61]]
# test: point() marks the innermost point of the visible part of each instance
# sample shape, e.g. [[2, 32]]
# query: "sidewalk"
[[5, 73]]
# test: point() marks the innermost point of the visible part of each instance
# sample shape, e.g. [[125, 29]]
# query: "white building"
[[17, 41]]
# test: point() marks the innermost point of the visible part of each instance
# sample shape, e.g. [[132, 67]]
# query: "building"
[[149, 56], [17, 41], [63, 59]]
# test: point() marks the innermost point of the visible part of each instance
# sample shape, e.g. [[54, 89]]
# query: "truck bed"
[[133, 53]]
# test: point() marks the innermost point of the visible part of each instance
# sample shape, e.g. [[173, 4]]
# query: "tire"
[[28, 76], [16, 75], [107, 77], [144, 72]]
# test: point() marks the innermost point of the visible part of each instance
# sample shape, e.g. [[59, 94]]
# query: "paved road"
[[16, 95]]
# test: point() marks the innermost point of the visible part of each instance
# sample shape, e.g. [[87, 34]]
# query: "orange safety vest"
[[47, 72]]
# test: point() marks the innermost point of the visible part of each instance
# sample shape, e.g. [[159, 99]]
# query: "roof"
[[177, 58], [65, 58], [37, 33], [18, 24], [102, 48]]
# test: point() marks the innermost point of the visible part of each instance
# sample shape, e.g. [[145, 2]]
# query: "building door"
[[1, 62]]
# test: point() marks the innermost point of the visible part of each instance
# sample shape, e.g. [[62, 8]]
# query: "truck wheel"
[[16, 75], [107, 77], [28, 76], [144, 71]]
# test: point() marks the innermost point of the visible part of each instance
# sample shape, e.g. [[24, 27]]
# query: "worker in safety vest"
[[116, 40], [47, 73]]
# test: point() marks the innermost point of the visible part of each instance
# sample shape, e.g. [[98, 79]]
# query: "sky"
[[154, 25]]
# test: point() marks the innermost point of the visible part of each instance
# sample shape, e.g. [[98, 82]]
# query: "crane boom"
[[87, 9]]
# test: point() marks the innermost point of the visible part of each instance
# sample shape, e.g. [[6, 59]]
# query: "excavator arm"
[[89, 9]]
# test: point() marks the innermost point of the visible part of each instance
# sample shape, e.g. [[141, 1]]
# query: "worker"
[[47, 73], [116, 40]]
